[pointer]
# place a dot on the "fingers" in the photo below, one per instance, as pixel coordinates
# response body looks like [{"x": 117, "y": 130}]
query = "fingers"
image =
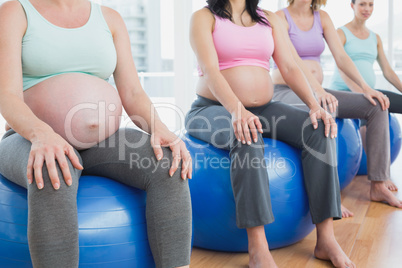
[
  {"x": 386, "y": 101},
  {"x": 324, "y": 104},
  {"x": 187, "y": 165},
  {"x": 37, "y": 168},
  {"x": 75, "y": 161},
  {"x": 52, "y": 170},
  {"x": 253, "y": 130},
  {"x": 313, "y": 117},
  {"x": 158, "y": 151},
  {"x": 331, "y": 128},
  {"x": 332, "y": 103},
  {"x": 31, "y": 160},
  {"x": 240, "y": 132},
  {"x": 176, "y": 159},
  {"x": 381, "y": 99},
  {"x": 258, "y": 124},
  {"x": 327, "y": 125},
  {"x": 246, "y": 131},
  {"x": 65, "y": 170},
  {"x": 371, "y": 100},
  {"x": 334, "y": 127}
]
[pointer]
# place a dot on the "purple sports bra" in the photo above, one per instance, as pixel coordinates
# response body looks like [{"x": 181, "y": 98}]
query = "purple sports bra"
[{"x": 309, "y": 44}]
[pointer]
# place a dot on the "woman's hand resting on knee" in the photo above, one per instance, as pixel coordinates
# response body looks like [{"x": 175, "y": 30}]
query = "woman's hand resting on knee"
[
  {"x": 165, "y": 138},
  {"x": 47, "y": 147},
  {"x": 329, "y": 122},
  {"x": 244, "y": 122}
]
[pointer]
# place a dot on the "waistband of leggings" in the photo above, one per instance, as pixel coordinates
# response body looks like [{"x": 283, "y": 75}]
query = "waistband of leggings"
[
  {"x": 202, "y": 101},
  {"x": 278, "y": 87}
]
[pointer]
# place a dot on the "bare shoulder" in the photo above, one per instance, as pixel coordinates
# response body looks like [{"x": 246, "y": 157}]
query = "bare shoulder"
[
  {"x": 378, "y": 38},
  {"x": 11, "y": 9},
  {"x": 324, "y": 15},
  {"x": 280, "y": 14},
  {"x": 203, "y": 15},
  {"x": 340, "y": 32},
  {"x": 12, "y": 14},
  {"x": 113, "y": 18},
  {"x": 272, "y": 18}
]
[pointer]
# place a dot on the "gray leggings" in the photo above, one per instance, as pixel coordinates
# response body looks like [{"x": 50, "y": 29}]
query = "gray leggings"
[
  {"x": 209, "y": 121},
  {"x": 355, "y": 105},
  {"x": 52, "y": 215}
]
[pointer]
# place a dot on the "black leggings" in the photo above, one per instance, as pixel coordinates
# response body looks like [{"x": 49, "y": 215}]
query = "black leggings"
[{"x": 395, "y": 100}]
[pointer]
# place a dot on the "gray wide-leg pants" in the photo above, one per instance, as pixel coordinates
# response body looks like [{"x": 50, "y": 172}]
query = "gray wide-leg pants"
[
  {"x": 209, "y": 121},
  {"x": 355, "y": 105}
]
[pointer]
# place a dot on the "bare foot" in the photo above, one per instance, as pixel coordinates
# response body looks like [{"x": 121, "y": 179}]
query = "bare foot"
[
  {"x": 330, "y": 250},
  {"x": 380, "y": 193},
  {"x": 261, "y": 258},
  {"x": 390, "y": 185},
  {"x": 346, "y": 213}
]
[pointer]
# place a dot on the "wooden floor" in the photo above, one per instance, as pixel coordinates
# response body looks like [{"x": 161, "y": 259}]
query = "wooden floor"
[{"x": 372, "y": 238}]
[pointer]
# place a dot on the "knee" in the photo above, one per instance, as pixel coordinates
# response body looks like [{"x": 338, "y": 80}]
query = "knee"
[
  {"x": 49, "y": 181},
  {"x": 160, "y": 175},
  {"x": 376, "y": 110}
]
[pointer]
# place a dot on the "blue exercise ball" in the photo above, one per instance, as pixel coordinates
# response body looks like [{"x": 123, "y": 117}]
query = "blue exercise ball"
[
  {"x": 395, "y": 136},
  {"x": 112, "y": 225},
  {"x": 214, "y": 214},
  {"x": 349, "y": 150}
]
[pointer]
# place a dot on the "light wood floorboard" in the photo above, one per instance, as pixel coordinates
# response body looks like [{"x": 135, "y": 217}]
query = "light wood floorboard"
[{"x": 372, "y": 238}]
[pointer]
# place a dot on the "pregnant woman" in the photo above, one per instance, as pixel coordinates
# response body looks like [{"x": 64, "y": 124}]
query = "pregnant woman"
[
  {"x": 308, "y": 27},
  {"x": 64, "y": 119},
  {"x": 365, "y": 47},
  {"x": 233, "y": 41}
]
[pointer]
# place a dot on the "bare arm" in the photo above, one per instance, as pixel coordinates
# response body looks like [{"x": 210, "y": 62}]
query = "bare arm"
[
  {"x": 47, "y": 146},
  {"x": 389, "y": 74},
  {"x": 325, "y": 99},
  {"x": 137, "y": 103},
  {"x": 345, "y": 63},
  {"x": 203, "y": 46},
  {"x": 351, "y": 85},
  {"x": 201, "y": 41},
  {"x": 294, "y": 77}
]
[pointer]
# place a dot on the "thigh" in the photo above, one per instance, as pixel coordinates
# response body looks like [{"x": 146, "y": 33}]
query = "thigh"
[
  {"x": 127, "y": 157},
  {"x": 285, "y": 94},
  {"x": 212, "y": 124},
  {"x": 14, "y": 154},
  {"x": 286, "y": 123},
  {"x": 351, "y": 104},
  {"x": 395, "y": 100}
]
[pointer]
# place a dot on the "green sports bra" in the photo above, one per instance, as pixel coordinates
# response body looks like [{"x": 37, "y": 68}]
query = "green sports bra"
[{"x": 49, "y": 50}]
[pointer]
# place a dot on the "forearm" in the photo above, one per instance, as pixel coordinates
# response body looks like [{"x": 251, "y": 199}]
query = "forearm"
[
  {"x": 347, "y": 66},
  {"x": 394, "y": 80},
  {"x": 142, "y": 112},
  {"x": 351, "y": 85},
  {"x": 315, "y": 85},
  {"x": 298, "y": 83},
  {"x": 222, "y": 91},
  {"x": 21, "y": 118}
]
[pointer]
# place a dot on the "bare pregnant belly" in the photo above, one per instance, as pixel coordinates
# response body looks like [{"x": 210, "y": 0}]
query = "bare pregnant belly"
[{"x": 82, "y": 108}]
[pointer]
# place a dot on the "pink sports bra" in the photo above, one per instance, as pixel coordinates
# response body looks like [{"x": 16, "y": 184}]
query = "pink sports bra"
[{"x": 239, "y": 46}]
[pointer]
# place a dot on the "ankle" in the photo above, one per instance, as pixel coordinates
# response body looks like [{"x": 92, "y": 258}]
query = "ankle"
[
  {"x": 325, "y": 231},
  {"x": 377, "y": 183}
]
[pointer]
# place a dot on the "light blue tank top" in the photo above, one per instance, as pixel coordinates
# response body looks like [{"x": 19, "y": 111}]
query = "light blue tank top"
[
  {"x": 49, "y": 50},
  {"x": 363, "y": 53}
]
